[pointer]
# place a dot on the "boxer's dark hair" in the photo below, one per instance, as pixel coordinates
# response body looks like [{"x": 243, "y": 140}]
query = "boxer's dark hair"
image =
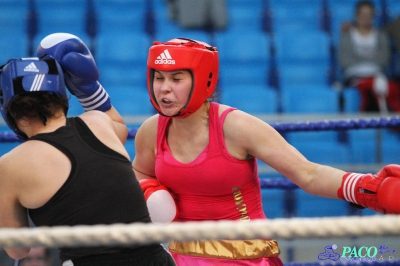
[{"x": 36, "y": 106}]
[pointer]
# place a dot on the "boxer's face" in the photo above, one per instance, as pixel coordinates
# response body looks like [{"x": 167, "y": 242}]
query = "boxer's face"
[{"x": 171, "y": 89}]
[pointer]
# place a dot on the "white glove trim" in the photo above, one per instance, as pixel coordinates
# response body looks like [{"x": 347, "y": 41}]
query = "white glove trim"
[{"x": 54, "y": 39}]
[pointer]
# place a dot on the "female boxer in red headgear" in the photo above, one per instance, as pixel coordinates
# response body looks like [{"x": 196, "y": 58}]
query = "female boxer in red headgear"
[{"x": 204, "y": 154}]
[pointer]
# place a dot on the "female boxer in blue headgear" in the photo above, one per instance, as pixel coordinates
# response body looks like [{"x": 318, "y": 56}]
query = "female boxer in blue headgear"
[{"x": 68, "y": 171}]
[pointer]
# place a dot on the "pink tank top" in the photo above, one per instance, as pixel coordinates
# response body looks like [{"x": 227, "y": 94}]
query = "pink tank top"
[{"x": 215, "y": 185}]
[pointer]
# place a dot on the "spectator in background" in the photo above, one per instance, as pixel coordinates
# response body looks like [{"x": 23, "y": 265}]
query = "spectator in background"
[
  {"x": 199, "y": 14},
  {"x": 364, "y": 56},
  {"x": 38, "y": 256}
]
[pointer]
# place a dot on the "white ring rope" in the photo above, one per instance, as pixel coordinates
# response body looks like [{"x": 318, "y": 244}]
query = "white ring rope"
[{"x": 139, "y": 233}]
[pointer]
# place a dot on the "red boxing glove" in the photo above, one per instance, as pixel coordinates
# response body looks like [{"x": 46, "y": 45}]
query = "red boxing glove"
[
  {"x": 377, "y": 192},
  {"x": 160, "y": 203}
]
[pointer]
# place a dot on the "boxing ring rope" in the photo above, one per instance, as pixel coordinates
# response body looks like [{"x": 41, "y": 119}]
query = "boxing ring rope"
[
  {"x": 293, "y": 228},
  {"x": 343, "y": 124},
  {"x": 140, "y": 233},
  {"x": 346, "y": 124}
]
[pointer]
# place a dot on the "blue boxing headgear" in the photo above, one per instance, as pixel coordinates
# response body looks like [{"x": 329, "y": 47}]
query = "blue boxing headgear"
[{"x": 26, "y": 75}]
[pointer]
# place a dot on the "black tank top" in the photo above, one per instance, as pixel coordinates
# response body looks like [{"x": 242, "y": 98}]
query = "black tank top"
[{"x": 101, "y": 188}]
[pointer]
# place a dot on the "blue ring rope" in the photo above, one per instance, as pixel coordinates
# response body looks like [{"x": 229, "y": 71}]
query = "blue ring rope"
[
  {"x": 365, "y": 123},
  {"x": 281, "y": 183}
]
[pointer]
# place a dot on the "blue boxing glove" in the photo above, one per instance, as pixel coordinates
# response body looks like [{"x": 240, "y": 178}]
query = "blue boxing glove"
[{"x": 81, "y": 73}]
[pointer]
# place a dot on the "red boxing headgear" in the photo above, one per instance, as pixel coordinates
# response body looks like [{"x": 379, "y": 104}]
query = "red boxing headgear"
[{"x": 198, "y": 57}]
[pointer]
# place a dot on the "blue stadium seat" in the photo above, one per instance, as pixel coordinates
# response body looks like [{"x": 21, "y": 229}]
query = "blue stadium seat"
[
  {"x": 310, "y": 99},
  {"x": 313, "y": 206},
  {"x": 123, "y": 74},
  {"x": 390, "y": 146},
  {"x": 61, "y": 16},
  {"x": 243, "y": 46},
  {"x": 251, "y": 99},
  {"x": 122, "y": 59},
  {"x": 160, "y": 4},
  {"x": 324, "y": 152},
  {"x": 363, "y": 146},
  {"x": 13, "y": 46},
  {"x": 240, "y": 3},
  {"x": 121, "y": 16},
  {"x": 320, "y": 146},
  {"x": 13, "y": 16},
  {"x": 312, "y": 136},
  {"x": 131, "y": 100},
  {"x": 245, "y": 17},
  {"x": 308, "y": 49},
  {"x": 313, "y": 4},
  {"x": 304, "y": 46},
  {"x": 272, "y": 200},
  {"x": 303, "y": 74},
  {"x": 243, "y": 57},
  {"x": 245, "y": 73},
  {"x": 296, "y": 15},
  {"x": 394, "y": 8},
  {"x": 283, "y": 20},
  {"x": 13, "y": 37}
]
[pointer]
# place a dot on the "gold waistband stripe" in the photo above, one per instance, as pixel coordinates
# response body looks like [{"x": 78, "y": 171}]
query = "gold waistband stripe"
[{"x": 227, "y": 249}]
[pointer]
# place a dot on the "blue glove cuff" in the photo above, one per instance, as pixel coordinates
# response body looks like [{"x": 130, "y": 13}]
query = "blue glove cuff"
[{"x": 100, "y": 100}]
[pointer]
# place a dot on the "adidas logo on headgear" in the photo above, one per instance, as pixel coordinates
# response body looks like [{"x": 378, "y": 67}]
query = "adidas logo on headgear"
[
  {"x": 31, "y": 68},
  {"x": 164, "y": 58}
]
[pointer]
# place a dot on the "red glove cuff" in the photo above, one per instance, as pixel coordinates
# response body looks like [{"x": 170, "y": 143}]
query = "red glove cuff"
[
  {"x": 349, "y": 187},
  {"x": 148, "y": 183}
]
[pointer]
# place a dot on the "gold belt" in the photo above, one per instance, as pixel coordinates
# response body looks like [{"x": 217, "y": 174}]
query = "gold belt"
[{"x": 227, "y": 249}]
